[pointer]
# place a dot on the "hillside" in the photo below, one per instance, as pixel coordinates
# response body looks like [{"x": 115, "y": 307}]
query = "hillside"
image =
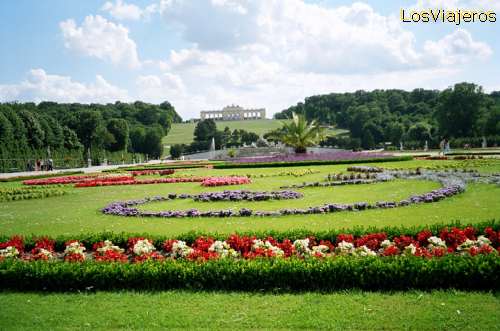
[{"x": 182, "y": 133}]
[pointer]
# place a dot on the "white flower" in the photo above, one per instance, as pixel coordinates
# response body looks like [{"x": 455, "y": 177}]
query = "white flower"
[
  {"x": 386, "y": 243},
  {"x": 223, "y": 249},
  {"x": 466, "y": 245},
  {"x": 345, "y": 248},
  {"x": 74, "y": 248},
  {"x": 482, "y": 240},
  {"x": 410, "y": 250},
  {"x": 143, "y": 247},
  {"x": 9, "y": 251},
  {"x": 108, "y": 246},
  {"x": 364, "y": 251},
  {"x": 302, "y": 247},
  {"x": 320, "y": 250},
  {"x": 436, "y": 242},
  {"x": 180, "y": 249},
  {"x": 267, "y": 245},
  {"x": 46, "y": 253}
]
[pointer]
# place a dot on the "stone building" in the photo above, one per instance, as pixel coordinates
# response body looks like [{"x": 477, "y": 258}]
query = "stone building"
[{"x": 233, "y": 113}]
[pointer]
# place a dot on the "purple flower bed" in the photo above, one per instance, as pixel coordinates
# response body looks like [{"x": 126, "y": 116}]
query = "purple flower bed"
[
  {"x": 126, "y": 208},
  {"x": 332, "y": 156}
]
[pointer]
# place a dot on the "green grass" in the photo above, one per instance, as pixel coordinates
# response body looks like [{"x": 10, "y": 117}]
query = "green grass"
[
  {"x": 441, "y": 310},
  {"x": 78, "y": 211},
  {"x": 182, "y": 133}
]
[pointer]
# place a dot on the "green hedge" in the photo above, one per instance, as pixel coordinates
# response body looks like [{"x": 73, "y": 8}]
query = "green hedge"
[
  {"x": 480, "y": 272},
  {"x": 120, "y": 239},
  {"x": 235, "y": 165},
  {"x": 19, "y": 178}
]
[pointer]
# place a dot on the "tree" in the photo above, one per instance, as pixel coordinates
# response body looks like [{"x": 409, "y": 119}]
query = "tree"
[
  {"x": 301, "y": 134},
  {"x": 459, "y": 109},
  {"x": 137, "y": 139},
  {"x": 249, "y": 137},
  {"x": 420, "y": 132},
  {"x": 367, "y": 141},
  {"x": 177, "y": 150},
  {"x": 152, "y": 143},
  {"x": 120, "y": 131},
  {"x": 205, "y": 130},
  {"x": 87, "y": 126}
]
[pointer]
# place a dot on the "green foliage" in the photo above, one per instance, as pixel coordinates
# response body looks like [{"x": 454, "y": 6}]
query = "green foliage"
[
  {"x": 27, "y": 131},
  {"x": 32, "y": 192},
  {"x": 300, "y": 134},
  {"x": 308, "y": 163},
  {"x": 368, "y": 273},
  {"x": 176, "y": 151},
  {"x": 397, "y": 115}
]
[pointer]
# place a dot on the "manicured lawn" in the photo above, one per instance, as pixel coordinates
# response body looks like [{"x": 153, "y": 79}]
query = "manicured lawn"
[
  {"x": 448, "y": 310},
  {"x": 79, "y": 211}
]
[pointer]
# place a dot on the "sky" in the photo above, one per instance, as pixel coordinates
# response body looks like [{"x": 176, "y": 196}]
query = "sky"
[{"x": 206, "y": 54}]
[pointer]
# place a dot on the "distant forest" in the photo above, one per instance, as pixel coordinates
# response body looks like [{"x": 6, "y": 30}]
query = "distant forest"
[
  {"x": 68, "y": 131},
  {"x": 463, "y": 113}
]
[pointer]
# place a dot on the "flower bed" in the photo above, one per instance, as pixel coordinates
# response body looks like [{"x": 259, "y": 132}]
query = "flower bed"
[
  {"x": 365, "y": 169},
  {"x": 298, "y": 173},
  {"x": 463, "y": 258},
  {"x": 297, "y": 163},
  {"x": 222, "y": 181},
  {"x": 146, "y": 172},
  {"x": 456, "y": 241},
  {"x": 58, "y": 180},
  {"x": 332, "y": 156},
  {"x": 28, "y": 193}
]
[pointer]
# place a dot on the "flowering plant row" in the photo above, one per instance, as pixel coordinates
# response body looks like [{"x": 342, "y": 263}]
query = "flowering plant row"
[
  {"x": 351, "y": 176},
  {"x": 58, "y": 180},
  {"x": 126, "y": 208},
  {"x": 27, "y": 193},
  {"x": 298, "y": 173},
  {"x": 365, "y": 169},
  {"x": 457, "y": 241},
  {"x": 146, "y": 172},
  {"x": 222, "y": 181}
]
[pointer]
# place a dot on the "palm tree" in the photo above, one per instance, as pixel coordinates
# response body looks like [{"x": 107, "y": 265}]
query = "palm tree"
[{"x": 299, "y": 133}]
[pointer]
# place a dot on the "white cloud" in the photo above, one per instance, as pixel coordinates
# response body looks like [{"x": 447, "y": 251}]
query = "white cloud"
[
  {"x": 40, "y": 86},
  {"x": 100, "y": 38},
  {"x": 273, "y": 53},
  {"x": 124, "y": 11},
  {"x": 456, "y": 48}
]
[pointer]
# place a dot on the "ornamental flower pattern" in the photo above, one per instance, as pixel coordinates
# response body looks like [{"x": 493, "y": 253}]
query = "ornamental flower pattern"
[{"x": 458, "y": 241}]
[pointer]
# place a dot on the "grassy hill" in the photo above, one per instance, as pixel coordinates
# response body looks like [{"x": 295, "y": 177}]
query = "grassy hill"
[{"x": 182, "y": 133}]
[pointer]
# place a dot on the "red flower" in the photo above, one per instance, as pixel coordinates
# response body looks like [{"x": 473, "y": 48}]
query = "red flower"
[
  {"x": 391, "y": 251},
  {"x": 423, "y": 236},
  {"x": 349, "y": 238},
  {"x": 372, "y": 241},
  {"x": 14, "y": 241}
]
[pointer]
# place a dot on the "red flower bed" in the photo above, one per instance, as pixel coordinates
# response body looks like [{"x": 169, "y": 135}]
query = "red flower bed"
[
  {"x": 221, "y": 181},
  {"x": 133, "y": 181},
  {"x": 449, "y": 241},
  {"x": 58, "y": 180}
]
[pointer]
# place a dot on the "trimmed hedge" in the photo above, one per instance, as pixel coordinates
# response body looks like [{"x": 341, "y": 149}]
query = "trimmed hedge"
[
  {"x": 480, "y": 272},
  {"x": 235, "y": 165},
  {"x": 20, "y": 178},
  {"x": 121, "y": 239}
]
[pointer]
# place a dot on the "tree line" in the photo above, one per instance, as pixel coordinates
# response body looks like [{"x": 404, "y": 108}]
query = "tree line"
[
  {"x": 463, "y": 112},
  {"x": 70, "y": 130}
]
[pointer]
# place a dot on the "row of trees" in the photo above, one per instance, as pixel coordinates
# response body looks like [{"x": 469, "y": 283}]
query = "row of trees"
[
  {"x": 30, "y": 131},
  {"x": 206, "y": 130},
  {"x": 396, "y": 115}
]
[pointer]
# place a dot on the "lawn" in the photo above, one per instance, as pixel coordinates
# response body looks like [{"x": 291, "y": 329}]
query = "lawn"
[
  {"x": 182, "y": 133},
  {"x": 78, "y": 212},
  {"x": 439, "y": 310}
]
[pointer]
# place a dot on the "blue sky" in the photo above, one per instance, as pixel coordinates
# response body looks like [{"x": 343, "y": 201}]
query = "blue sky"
[{"x": 204, "y": 54}]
